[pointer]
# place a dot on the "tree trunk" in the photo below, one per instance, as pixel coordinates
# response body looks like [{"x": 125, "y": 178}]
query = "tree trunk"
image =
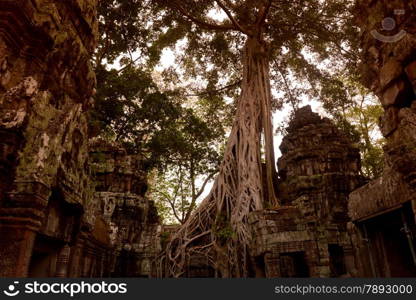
[{"x": 218, "y": 228}]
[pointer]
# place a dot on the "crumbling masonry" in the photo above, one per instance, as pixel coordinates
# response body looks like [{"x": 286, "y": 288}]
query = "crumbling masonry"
[
  {"x": 52, "y": 222},
  {"x": 120, "y": 191},
  {"x": 46, "y": 85},
  {"x": 307, "y": 236},
  {"x": 71, "y": 206},
  {"x": 383, "y": 211}
]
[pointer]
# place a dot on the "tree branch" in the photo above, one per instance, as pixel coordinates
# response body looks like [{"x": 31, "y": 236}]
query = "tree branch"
[
  {"x": 285, "y": 81},
  {"x": 171, "y": 203},
  {"x": 230, "y": 4},
  {"x": 201, "y": 190},
  {"x": 264, "y": 12},
  {"x": 131, "y": 63},
  {"x": 201, "y": 23},
  {"x": 215, "y": 91},
  {"x": 230, "y": 16}
]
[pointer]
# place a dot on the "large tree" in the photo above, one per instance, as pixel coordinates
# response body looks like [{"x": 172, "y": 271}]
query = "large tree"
[{"x": 291, "y": 37}]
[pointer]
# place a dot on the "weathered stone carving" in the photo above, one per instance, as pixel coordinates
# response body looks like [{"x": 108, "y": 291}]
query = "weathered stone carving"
[
  {"x": 46, "y": 85},
  {"x": 51, "y": 221},
  {"x": 121, "y": 185},
  {"x": 308, "y": 236}
]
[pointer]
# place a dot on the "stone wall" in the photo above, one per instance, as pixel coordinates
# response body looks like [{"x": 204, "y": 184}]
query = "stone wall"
[
  {"x": 65, "y": 211},
  {"x": 383, "y": 211},
  {"x": 389, "y": 70},
  {"x": 46, "y": 85},
  {"x": 121, "y": 186}
]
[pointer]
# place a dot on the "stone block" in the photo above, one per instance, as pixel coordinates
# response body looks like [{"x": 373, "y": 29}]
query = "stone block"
[
  {"x": 394, "y": 94},
  {"x": 389, "y": 72},
  {"x": 411, "y": 71},
  {"x": 380, "y": 194},
  {"x": 389, "y": 121}
]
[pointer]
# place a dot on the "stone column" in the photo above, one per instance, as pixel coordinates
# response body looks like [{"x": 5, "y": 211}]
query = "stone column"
[
  {"x": 414, "y": 209},
  {"x": 19, "y": 223},
  {"x": 15, "y": 250},
  {"x": 272, "y": 263},
  {"x": 389, "y": 70},
  {"x": 322, "y": 269},
  {"x": 46, "y": 85},
  {"x": 77, "y": 256},
  {"x": 350, "y": 263},
  {"x": 62, "y": 262}
]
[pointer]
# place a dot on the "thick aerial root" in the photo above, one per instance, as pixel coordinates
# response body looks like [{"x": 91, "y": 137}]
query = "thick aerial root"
[{"x": 218, "y": 229}]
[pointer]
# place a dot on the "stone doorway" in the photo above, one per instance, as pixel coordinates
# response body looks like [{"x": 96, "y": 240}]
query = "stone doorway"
[
  {"x": 293, "y": 265},
  {"x": 259, "y": 267},
  {"x": 44, "y": 257},
  {"x": 391, "y": 239},
  {"x": 336, "y": 260}
]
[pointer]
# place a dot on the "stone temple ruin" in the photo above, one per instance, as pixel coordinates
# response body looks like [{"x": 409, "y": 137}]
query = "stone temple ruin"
[
  {"x": 134, "y": 227},
  {"x": 75, "y": 207},
  {"x": 383, "y": 211},
  {"x": 308, "y": 235},
  {"x": 67, "y": 208}
]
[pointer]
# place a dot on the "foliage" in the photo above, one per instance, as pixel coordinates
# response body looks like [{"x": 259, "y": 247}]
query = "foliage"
[
  {"x": 124, "y": 28},
  {"x": 358, "y": 116},
  {"x": 183, "y": 182},
  {"x": 309, "y": 43},
  {"x": 365, "y": 120},
  {"x": 172, "y": 130},
  {"x": 177, "y": 191},
  {"x": 223, "y": 229}
]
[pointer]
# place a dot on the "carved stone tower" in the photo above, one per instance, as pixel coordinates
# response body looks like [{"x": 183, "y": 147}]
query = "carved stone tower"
[{"x": 308, "y": 236}]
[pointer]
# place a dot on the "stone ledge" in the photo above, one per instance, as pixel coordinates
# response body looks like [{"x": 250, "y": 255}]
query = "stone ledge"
[{"x": 379, "y": 195}]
